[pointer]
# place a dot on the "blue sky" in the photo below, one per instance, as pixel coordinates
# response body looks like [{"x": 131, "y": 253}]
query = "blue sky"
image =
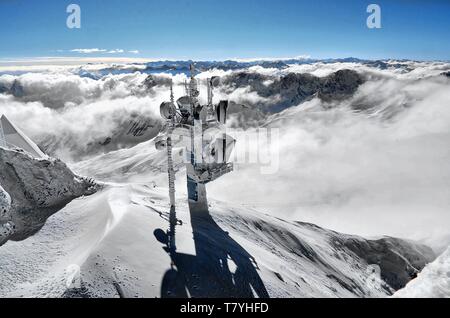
[{"x": 212, "y": 29}]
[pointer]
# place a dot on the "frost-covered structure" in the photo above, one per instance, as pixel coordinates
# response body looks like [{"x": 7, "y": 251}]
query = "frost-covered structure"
[
  {"x": 207, "y": 146},
  {"x": 32, "y": 189}
]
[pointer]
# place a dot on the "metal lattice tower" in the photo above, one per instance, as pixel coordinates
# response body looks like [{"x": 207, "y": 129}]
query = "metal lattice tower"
[{"x": 188, "y": 119}]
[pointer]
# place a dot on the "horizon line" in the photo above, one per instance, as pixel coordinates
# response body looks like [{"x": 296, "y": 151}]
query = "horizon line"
[{"x": 39, "y": 60}]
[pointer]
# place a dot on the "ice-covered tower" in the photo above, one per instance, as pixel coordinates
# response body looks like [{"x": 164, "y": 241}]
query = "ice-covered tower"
[{"x": 208, "y": 148}]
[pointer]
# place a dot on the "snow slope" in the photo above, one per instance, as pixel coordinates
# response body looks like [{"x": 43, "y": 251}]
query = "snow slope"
[
  {"x": 432, "y": 282},
  {"x": 114, "y": 237}
]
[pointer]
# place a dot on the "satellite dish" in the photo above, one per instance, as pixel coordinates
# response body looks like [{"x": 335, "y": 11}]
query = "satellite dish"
[
  {"x": 167, "y": 109},
  {"x": 215, "y": 81},
  {"x": 184, "y": 102}
]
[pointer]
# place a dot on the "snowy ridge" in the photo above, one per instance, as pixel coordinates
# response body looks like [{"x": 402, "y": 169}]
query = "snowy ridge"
[
  {"x": 114, "y": 236},
  {"x": 432, "y": 282}
]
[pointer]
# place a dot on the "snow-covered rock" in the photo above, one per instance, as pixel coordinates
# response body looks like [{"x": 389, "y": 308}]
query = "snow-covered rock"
[
  {"x": 32, "y": 190},
  {"x": 6, "y": 227},
  {"x": 5, "y": 205},
  {"x": 432, "y": 282}
]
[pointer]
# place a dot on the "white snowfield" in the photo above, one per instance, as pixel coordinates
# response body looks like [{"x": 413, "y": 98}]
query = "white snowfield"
[
  {"x": 109, "y": 245},
  {"x": 432, "y": 282}
]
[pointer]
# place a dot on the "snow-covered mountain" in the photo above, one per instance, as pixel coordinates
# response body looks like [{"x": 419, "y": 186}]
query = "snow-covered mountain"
[
  {"x": 113, "y": 244},
  {"x": 362, "y": 150},
  {"x": 116, "y": 239}
]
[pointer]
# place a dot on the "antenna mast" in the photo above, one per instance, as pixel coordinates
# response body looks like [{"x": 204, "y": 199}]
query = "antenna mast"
[
  {"x": 170, "y": 168},
  {"x": 207, "y": 155}
]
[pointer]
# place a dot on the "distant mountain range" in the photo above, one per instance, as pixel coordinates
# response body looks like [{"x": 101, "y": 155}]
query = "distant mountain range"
[{"x": 182, "y": 67}]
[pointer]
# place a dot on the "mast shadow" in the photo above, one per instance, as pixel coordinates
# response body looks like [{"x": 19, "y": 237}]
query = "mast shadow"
[{"x": 221, "y": 267}]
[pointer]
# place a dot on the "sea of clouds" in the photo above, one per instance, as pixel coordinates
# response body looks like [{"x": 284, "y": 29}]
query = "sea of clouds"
[{"x": 382, "y": 171}]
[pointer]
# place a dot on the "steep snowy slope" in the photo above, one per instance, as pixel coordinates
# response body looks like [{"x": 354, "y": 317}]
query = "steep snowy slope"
[
  {"x": 117, "y": 239},
  {"x": 32, "y": 190},
  {"x": 432, "y": 282},
  {"x": 141, "y": 161}
]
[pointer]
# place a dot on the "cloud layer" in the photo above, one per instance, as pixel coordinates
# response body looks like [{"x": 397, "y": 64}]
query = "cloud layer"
[
  {"x": 97, "y": 50},
  {"x": 385, "y": 170}
]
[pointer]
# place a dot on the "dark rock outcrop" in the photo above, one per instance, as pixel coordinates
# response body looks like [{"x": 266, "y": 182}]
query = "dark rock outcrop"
[
  {"x": 293, "y": 88},
  {"x": 399, "y": 260},
  {"x": 340, "y": 85},
  {"x": 17, "y": 89},
  {"x": 151, "y": 81}
]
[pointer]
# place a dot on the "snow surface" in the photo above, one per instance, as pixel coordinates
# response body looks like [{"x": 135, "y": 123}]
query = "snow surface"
[
  {"x": 111, "y": 244},
  {"x": 299, "y": 259},
  {"x": 432, "y": 282},
  {"x": 106, "y": 245}
]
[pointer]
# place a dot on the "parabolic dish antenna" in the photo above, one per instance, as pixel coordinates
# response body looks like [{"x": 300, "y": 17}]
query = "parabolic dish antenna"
[
  {"x": 160, "y": 142},
  {"x": 184, "y": 102},
  {"x": 215, "y": 81},
  {"x": 166, "y": 110}
]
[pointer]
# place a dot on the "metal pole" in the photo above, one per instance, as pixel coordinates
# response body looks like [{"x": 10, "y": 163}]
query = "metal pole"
[
  {"x": 171, "y": 173},
  {"x": 170, "y": 168}
]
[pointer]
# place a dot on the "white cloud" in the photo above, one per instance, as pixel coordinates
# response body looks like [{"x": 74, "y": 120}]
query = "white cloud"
[
  {"x": 381, "y": 172},
  {"x": 57, "y": 64},
  {"x": 115, "y": 51},
  {"x": 89, "y": 51},
  {"x": 270, "y": 59},
  {"x": 71, "y": 112},
  {"x": 97, "y": 50}
]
